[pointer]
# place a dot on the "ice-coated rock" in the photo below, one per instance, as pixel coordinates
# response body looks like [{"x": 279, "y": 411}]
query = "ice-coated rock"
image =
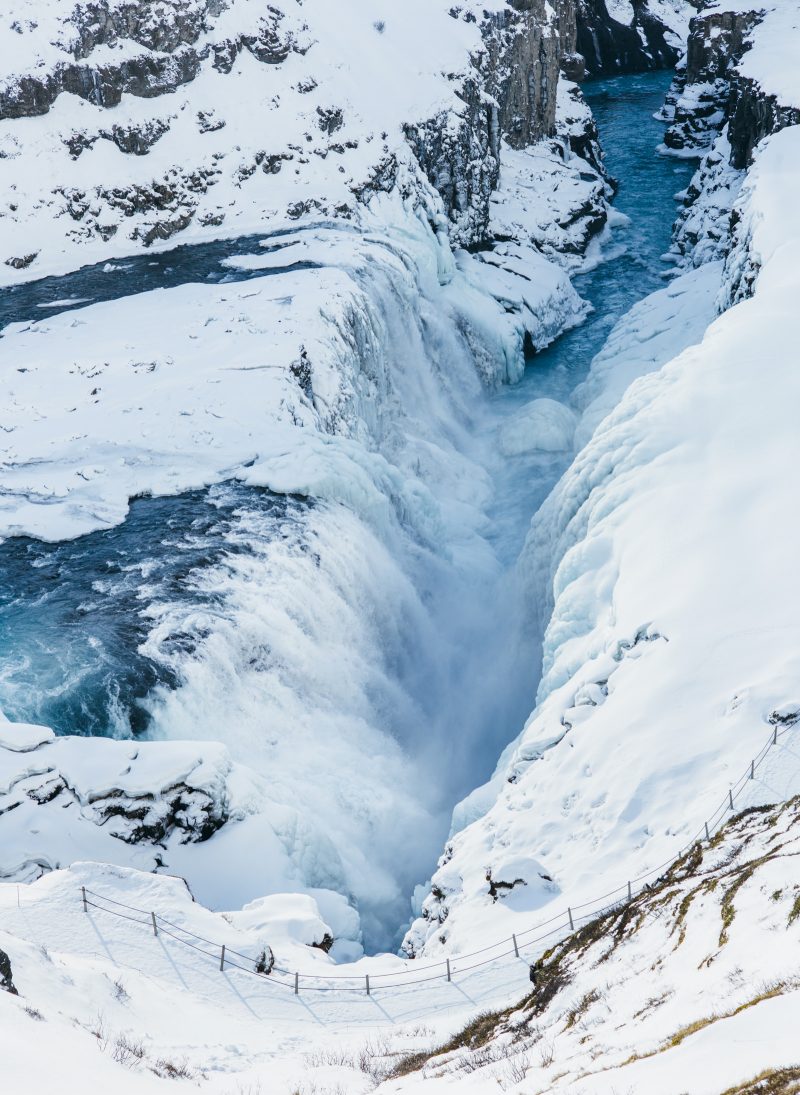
[
  {"x": 543, "y": 424},
  {"x": 617, "y": 36}
]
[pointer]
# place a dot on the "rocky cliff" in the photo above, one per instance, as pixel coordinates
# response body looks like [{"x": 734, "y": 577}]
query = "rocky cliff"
[
  {"x": 635, "y": 36},
  {"x": 712, "y": 90},
  {"x": 122, "y": 125},
  {"x": 726, "y": 99}
]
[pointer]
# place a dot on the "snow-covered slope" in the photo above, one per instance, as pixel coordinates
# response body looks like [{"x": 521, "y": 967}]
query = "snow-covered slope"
[
  {"x": 692, "y": 987},
  {"x": 671, "y": 643},
  {"x": 124, "y": 125}
]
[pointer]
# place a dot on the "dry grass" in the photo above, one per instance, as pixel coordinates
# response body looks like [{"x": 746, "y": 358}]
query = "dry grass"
[{"x": 781, "y": 1081}]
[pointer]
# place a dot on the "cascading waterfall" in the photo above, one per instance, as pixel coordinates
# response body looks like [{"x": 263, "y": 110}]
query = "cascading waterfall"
[{"x": 372, "y": 665}]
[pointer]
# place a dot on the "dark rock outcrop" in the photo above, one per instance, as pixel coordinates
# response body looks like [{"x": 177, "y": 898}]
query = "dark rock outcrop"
[
  {"x": 174, "y": 43},
  {"x": 702, "y": 92},
  {"x": 752, "y": 115},
  {"x": 524, "y": 54},
  {"x": 6, "y": 979},
  {"x": 512, "y": 96},
  {"x": 721, "y": 115},
  {"x": 611, "y": 47}
]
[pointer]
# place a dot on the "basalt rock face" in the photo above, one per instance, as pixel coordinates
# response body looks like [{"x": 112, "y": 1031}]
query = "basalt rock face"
[
  {"x": 526, "y": 47},
  {"x": 753, "y": 115},
  {"x": 177, "y": 74},
  {"x": 717, "y": 41},
  {"x": 611, "y": 47},
  {"x": 173, "y": 41},
  {"x": 721, "y": 114},
  {"x": 512, "y": 96}
]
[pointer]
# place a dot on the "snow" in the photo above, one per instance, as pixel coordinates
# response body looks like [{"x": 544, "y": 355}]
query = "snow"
[
  {"x": 666, "y": 554},
  {"x": 72, "y": 798},
  {"x": 92, "y": 978},
  {"x": 542, "y": 424},
  {"x": 647, "y": 337},
  {"x": 771, "y": 60},
  {"x": 691, "y": 989},
  {"x": 235, "y": 1027},
  {"x": 180, "y": 388},
  {"x": 675, "y": 15},
  {"x": 211, "y": 157},
  {"x": 352, "y": 383},
  {"x": 664, "y": 560},
  {"x": 621, "y": 10},
  {"x": 548, "y": 196},
  {"x": 21, "y": 737}
]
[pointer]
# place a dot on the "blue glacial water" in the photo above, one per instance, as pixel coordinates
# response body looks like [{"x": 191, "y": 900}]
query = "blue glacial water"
[
  {"x": 194, "y": 619},
  {"x": 633, "y": 267}
]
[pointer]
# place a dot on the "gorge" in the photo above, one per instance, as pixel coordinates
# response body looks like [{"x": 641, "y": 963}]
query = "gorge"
[{"x": 388, "y": 500}]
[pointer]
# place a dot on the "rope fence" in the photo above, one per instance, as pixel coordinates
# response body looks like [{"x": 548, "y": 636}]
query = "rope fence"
[{"x": 565, "y": 922}]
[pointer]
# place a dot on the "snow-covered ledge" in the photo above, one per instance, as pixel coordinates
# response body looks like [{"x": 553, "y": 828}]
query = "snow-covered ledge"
[{"x": 175, "y": 808}]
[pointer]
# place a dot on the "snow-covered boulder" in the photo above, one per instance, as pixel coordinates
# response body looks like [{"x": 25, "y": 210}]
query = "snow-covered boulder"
[
  {"x": 543, "y": 424},
  {"x": 176, "y": 807}
]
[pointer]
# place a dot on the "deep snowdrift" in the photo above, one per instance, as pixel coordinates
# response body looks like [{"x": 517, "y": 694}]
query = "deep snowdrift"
[{"x": 667, "y": 554}]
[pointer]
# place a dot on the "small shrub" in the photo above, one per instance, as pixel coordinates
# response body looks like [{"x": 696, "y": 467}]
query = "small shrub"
[
  {"x": 547, "y": 1054},
  {"x": 126, "y": 1051},
  {"x": 33, "y": 1012},
  {"x": 120, "y": 992},
  {"x": 174, "y": 1070},
  {"x": 518, "y": 1067}
]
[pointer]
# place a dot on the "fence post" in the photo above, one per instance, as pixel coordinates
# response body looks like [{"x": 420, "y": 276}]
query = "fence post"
[
  {"x": 516, "y": 948},
  {"x": 222, "y": 959},
  {"x": 155, "y": 926},
  {"x": 297, "y": 984},
  {"x": 775, "y": 736},
  {"x": 630, "y": 892},
  {"x": 367, "y": 979},
  {"x": 730, "y": 796},
  {"x": 708, "y": 835},
  {"x": 449, "y": 978},
  {"x": 752, "y": 769},
  {"x": 83, "y": 892},
  {"x": 571, "y": 921}
]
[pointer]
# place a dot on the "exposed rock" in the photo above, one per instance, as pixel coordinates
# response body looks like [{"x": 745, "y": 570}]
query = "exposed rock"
[
  {"x": 173, "y": 41},
  {"x": 20, "y": 262},
  {"x": 717, "y": 41},
  {"x": 703, "y": 229},
  {"x": 265, "y": 961},
  {"x": 6, "y": 979},
  {"x": 525, "y": 48},
  {"x": 612, "y": 47},
  {"x": 720, "y": 109},
  {"x": 122, "y": 791},
  {"x": 753, "y": 116}
]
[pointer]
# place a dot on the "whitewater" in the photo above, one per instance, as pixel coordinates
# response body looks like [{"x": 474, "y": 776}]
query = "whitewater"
[{"x": 358, "y": 611}]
